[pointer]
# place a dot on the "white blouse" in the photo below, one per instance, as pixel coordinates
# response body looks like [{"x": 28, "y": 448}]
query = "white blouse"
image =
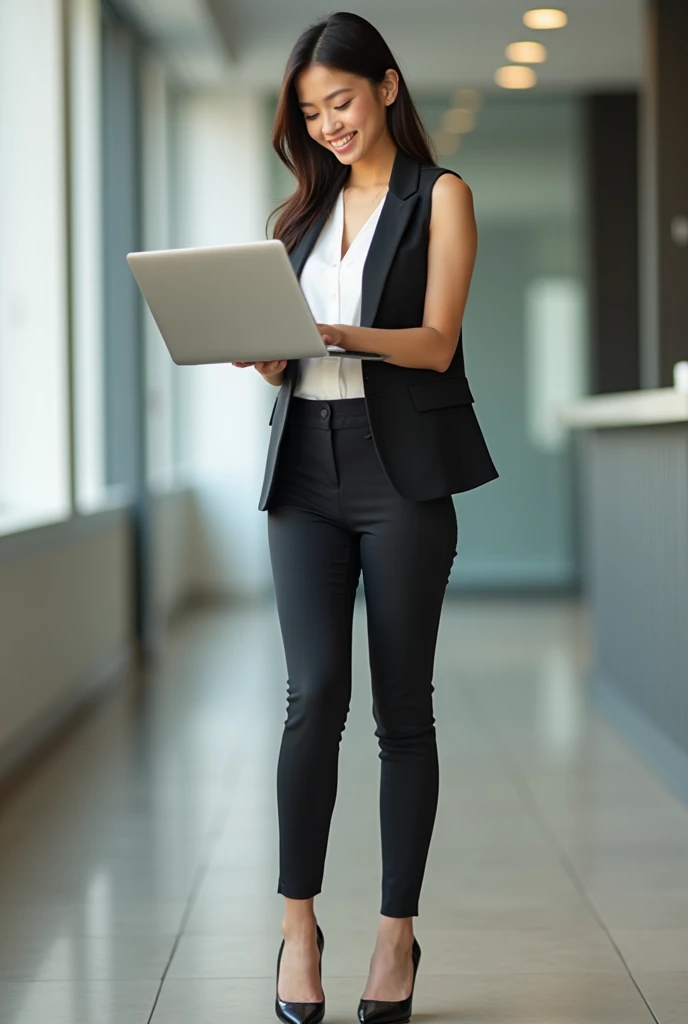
[{"x": 332, "y": 287}]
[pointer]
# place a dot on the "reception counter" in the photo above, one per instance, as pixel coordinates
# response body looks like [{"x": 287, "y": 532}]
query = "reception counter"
[{"x": 633, "y": 451}]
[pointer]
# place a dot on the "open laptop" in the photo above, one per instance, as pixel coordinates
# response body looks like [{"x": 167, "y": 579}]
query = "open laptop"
[{"x": 230, "y": 304}]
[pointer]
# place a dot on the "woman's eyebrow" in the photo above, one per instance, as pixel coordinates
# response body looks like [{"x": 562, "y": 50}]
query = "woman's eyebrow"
[{"x": 330, "y": 96}]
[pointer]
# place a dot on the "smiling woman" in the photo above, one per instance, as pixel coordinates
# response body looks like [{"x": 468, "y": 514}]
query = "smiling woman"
[
  {"x": 342, "y": 112},
  {"x": 363, "y": 460}
]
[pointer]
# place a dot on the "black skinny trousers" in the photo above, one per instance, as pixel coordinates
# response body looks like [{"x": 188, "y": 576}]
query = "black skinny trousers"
[{"x": 333, "y": 515}]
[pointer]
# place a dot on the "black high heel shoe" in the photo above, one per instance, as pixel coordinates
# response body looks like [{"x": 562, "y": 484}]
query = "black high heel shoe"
[
  {"x": 300, "y": 1013},
  {"x": 380, "y": 1011}
]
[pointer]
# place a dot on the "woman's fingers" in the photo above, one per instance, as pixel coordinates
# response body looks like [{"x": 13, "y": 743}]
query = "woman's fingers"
[
  {"x": 331, "y": 334},
  {"x": 268, "y": 368},
  {"x": 271, "y": 367}
]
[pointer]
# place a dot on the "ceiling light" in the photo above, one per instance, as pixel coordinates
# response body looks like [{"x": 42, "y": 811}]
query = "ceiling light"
[
  {"x": 545, "y": 17},
  {"x": 515, "y": 76},
  {"x": 468, "y": 98},
  {"x": 526, "y": 53},
  {"x": 446, "y": 143},
  {"x": 458, "y": 120}
]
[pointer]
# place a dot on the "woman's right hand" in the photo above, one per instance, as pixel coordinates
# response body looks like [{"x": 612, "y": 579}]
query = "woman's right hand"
[{"x": 271, "y": 371}]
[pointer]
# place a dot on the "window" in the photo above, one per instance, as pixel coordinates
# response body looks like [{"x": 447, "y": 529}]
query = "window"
[
  {"x": 34, "y": 435},
  {"x": 162, "y": 375},
  {"x": 87, "y": 262},
  {"x": 555, "y": 356}
]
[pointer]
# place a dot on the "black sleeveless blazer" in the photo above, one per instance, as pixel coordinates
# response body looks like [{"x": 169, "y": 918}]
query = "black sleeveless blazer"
[{"x": 423, "y": 423}]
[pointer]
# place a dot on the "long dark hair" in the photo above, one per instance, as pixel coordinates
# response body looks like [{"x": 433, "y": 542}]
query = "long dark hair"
[{"x": 349, "y": 43}]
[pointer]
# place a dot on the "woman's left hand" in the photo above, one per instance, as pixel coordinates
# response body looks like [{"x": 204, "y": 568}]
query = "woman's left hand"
[{"x": 332, "y": 335}]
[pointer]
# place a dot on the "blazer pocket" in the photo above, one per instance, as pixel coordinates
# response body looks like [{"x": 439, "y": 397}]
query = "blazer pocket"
[{"x": 441, "y": 393}]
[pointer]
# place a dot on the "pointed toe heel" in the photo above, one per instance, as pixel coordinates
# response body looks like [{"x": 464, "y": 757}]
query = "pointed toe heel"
[
  {"x": 380, "y": 1011},
  {"x": 299, "y": 1013}
]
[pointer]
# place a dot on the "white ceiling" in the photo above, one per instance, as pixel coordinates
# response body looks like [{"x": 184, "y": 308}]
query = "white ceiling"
[
  {"x": 438, "y": 43},
  {"x": 186, "y": 34}
]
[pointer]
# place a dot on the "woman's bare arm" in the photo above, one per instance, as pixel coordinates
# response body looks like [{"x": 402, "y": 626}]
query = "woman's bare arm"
[{"x": 451, "y": 256}]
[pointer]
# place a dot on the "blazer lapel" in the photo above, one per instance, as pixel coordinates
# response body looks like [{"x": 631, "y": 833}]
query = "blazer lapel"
[
  {"x": 301, "y": 252},
  {"x": 297, "y": 258},
  {"x": 399, "y": 204},
  {"x": 389, "y": 230}
]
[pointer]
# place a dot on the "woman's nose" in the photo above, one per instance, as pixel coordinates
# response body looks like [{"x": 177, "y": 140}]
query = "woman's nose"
[{"x": 332, "y": 127}]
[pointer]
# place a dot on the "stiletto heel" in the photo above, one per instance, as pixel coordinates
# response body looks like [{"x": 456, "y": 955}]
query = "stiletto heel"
[
  {"x": 380, "y": 1011},
  {"x": 300, "y": 1013}
]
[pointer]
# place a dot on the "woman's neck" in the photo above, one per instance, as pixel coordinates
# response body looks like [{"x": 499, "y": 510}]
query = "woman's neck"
[{"x": 374, "y": 170}]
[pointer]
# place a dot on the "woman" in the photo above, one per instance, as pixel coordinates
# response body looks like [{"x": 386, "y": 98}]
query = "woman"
[{"x": 363, "y": 459}]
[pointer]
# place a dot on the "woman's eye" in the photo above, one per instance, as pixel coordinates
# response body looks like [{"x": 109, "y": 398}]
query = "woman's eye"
[{"x": 312, "y": 117}]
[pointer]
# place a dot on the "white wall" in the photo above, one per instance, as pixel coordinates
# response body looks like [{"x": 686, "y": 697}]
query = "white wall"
[
  {"x": 221, "y": 157},
  {"x": 66, "y": 612},
  {"x": 65, "y": 617}
]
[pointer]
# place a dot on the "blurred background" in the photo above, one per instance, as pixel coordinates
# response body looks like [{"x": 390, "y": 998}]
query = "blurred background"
[{"x": 130, "y": 541}]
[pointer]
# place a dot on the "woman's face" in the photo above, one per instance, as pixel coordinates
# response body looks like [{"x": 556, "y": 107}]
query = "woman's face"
[{"x": 344, "y": 113}]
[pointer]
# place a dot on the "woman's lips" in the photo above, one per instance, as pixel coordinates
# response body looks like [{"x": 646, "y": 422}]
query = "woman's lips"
[{"x": 341, "y": 147}]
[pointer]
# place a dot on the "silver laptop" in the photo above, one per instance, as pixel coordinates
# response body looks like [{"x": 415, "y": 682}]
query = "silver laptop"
[{"x": 230, "y": 304}]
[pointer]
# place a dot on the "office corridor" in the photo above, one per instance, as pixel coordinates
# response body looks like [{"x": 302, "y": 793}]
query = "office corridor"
[{"x": 138, "y": 863}]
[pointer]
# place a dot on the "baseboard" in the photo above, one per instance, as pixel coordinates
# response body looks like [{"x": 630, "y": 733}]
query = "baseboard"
[
  {"x": 34, "y": 740},
  {"x": 660, "y": 752}
]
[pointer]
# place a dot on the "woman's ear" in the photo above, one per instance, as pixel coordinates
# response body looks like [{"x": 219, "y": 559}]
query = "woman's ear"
[{"x": 390, "y": 87}]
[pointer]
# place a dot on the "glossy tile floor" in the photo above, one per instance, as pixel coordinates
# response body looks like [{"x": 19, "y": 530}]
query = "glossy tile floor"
[{"x": 138, "y": 864}]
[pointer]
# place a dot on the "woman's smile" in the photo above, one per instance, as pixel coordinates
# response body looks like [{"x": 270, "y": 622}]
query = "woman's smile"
[{"x": 343, "y": 142}]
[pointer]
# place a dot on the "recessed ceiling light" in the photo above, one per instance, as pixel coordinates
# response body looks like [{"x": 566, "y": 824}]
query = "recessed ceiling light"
[
  {"x": 515, "y": 76},
  {"x": 545, "y": 17},
  {"x": 458, "y": 120},
  {"x": 526, "y": 53}
]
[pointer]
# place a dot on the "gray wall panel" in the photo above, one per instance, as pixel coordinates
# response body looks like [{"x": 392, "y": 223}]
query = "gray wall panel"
[{"x": 637, "y": 568}]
